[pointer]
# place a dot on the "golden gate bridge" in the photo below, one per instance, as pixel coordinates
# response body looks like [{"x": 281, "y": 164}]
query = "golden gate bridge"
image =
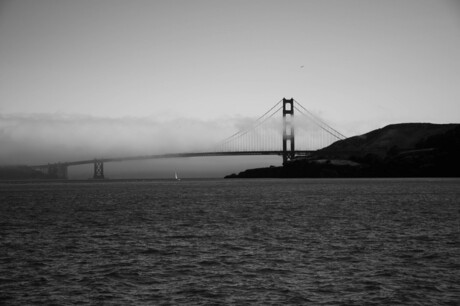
[{"x": 288, "y": 136}]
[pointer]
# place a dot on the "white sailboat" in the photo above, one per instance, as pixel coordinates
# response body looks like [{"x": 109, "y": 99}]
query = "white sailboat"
[{"x": 176, "y": 177}]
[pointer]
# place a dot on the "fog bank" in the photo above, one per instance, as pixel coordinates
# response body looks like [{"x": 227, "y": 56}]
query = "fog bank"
[{"x": 47, "y": 138}]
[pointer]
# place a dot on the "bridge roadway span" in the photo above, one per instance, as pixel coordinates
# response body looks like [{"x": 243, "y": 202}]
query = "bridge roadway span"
[
  {"x": 60, "y": 169},
  {"x": 172, "y": 155}
]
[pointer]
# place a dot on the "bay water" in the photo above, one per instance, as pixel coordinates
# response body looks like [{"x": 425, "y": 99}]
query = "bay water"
[{"x": 237, "y": 242}]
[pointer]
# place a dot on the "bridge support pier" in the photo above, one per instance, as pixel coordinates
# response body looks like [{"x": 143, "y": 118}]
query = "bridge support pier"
[
  {"x": 58, "y": 171},
  {"x": 288, "y": 130},
  {"x": 98, "y": 170}
]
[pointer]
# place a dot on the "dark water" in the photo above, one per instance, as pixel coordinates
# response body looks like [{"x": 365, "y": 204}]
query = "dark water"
[{"x": 314, "y": 242}]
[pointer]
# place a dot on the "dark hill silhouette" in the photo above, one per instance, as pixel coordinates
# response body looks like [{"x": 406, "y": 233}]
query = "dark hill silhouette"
[
  {"x": 397, "y": 150},
  {"x": 19, "y": 173},
  {"x": 403, "y": 136}
]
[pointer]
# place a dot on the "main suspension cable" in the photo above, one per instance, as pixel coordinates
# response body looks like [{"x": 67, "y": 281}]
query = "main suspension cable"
[
  {"x": 321, "y": 121},
  {"x": 319, "y": 125},
  {"x": 254, "y": 125}
]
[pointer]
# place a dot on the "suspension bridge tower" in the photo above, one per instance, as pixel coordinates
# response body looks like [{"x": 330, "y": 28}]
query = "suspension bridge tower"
[{"x": 288, "y": 130}]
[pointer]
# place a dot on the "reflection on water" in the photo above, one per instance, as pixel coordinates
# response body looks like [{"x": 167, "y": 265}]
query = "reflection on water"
[{"x": 320, "y": 242}]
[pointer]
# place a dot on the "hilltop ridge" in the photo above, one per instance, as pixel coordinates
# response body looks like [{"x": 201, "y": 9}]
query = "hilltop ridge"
[{"x": 402, "y": 136}]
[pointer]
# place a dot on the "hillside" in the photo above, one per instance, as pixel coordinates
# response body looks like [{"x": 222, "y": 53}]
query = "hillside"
[
  {"x": 397, "y": 150},
  {"x": 394, "y": 137}
]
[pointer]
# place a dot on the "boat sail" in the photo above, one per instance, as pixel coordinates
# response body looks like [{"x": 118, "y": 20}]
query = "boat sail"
[{"x": 176, "y": 177}]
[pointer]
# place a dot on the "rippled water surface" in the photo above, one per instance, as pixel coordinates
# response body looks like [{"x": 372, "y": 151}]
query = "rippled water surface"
[{"x": 314, "y": 242}]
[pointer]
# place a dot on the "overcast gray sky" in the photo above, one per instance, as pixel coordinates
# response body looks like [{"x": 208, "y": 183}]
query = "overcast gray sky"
[{"x": 80, "y": 78}]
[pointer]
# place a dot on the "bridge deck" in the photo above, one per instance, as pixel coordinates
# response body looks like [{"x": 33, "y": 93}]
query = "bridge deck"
[{"x": 172, "y": 155}]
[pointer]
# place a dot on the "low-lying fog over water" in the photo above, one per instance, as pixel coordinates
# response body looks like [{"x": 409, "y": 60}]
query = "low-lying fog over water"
[{"x": 296, "y": 241}]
